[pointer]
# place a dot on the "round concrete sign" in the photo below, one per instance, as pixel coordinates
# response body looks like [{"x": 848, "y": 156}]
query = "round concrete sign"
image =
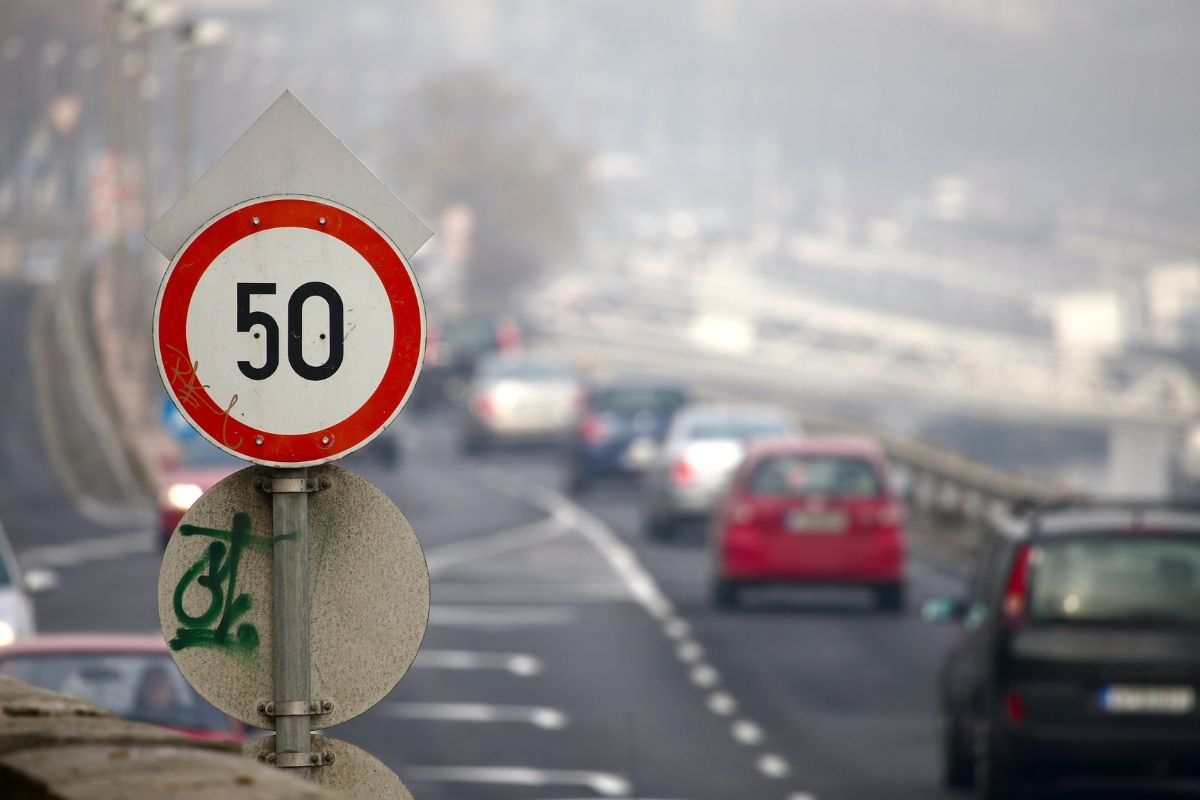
[
  {"x": 370, "y": 595},
  {"x": 346, "y": 769}
]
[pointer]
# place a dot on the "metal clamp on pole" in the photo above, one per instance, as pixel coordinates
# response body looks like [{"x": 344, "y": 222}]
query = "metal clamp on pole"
[
  {"x": 280, "y": 484},
  {"x": 291, "y": 616}
]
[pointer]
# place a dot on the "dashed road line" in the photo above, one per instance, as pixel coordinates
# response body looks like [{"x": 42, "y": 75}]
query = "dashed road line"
[
  {"x": 773, "y": 766},
  {"x": 721, "y": 703},
  {"x": 645, "y": 591},
  {"x": 689, "y": 652},
  {"x": 677, "y": 628},
  {"x": 606, "y": 784},
  {"x": 453, "y": 554},
  {"x": 500, "y": 618},
  {"x": 84, "y": 551},
  {"x": 705, "y": 676},
  {"x": 544, "y": 717},
  {"x": 522, "y": 664}
]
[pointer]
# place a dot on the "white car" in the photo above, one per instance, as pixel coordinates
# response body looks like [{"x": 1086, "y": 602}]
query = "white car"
[
  {"x": 521, "y": 397},
  {"x": 16, "y": 609},
  {"x": 702, "y": 450}
]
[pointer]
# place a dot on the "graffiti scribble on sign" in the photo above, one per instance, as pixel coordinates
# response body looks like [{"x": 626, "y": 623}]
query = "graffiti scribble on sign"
[
  {"x": 185, "y": 380},
  {"x": 217, "y": 572}
]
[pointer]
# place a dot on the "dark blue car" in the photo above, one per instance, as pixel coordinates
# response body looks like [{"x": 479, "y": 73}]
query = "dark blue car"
[{"x": 620, "y": 429}]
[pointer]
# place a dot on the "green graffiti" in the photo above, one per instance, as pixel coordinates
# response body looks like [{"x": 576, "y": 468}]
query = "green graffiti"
[{"x": 216, "y": 572}]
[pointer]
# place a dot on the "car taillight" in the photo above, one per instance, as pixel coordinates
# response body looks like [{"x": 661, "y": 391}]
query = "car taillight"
[
  {"x": 508, "y": 335},
  {"x": 682, "y": 473},
  {"x": 484, "y": 405},
  {"x": 593, "y": 429},
  {"x": 1017, "y": 588},
  {"x": 1014, "y": 704}
]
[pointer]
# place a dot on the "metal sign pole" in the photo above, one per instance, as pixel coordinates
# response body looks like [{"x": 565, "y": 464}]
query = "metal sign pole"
[{"x": 290, "y": 620}]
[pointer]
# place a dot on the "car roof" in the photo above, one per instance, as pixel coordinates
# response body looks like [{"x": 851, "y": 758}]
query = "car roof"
[
  {"x": 1105, "y": 518},
  {"x": 58, "y": 643},
  {"x": 861, "y": 446}
]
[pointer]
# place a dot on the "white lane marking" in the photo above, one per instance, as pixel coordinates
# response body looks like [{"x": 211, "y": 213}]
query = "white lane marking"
[
  {"x": 450, "y": 555},
  {"x": 705, "y": 676},
  {"x": 543, "y": 717},
  {"x": 618, "y": 554},
  {"x": 500, "y": 618},
  {"x": 689, "y": 652},
  {"x": 722, "y": 703},
  {"x": 606, "y": 784},
  {"x": 529, "y": 593},
  {"x": 802, "y": 796},
  {"x": 677, "y": 628},
  {"x": 82, "y": 551},
  {"x": 773, "y": 766},
  {"x": 746, "y": 732},
  {"x": 521, "y": 664},
  {"x": 641, "y": 584}
]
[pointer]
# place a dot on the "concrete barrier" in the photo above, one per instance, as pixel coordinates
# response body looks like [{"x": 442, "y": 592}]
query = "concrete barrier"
[{"x": 53, "y": 747}]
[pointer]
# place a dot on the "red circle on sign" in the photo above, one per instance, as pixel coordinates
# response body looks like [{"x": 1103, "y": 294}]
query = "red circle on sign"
[{"x": 184, "y": 381}]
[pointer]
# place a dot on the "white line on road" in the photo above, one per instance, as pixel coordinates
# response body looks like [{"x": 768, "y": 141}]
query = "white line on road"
[
  {"x": 773, "y": 766},
  {"x": 82, "y": 551},
  {"x": 606, "y": 784},
  {"x": 521, "y": 664},
  {"x": 500, "y": 618},
  {"x": 689, "y": 652},
  {"x": 677, "y": 628},
  {"x": 542, "y": 717},
  {"x": 493, "y": 544},
  {"x": 802, "y": 796},
  {"x": 705, "y": 676},
  {"x": 746, "y": 732},
  {"x": 644, "y": 590},
  {"x": 722, "y": 703}
]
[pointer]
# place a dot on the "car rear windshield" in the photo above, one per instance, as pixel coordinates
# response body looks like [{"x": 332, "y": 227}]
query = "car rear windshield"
[
  {"x": 146, "y": 687},
  {"x": 795, "y": 475},
  {"x": 709, "y": 430},
  {"x": 1134, "y": 579},
  {"x": 636, "y": 401}
]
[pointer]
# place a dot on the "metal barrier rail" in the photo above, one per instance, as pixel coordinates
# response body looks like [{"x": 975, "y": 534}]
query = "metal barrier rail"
[{"x": 934, "y": 479}]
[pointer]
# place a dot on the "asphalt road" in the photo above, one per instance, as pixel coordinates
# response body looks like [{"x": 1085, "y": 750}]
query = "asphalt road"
[{"x": 566, "y": 656}]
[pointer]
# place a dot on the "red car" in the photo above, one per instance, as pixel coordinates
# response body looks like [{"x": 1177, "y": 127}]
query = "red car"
[
  {"x": 198, "y": 467},
  {"x": 810, "y": 511},
  {"x": 132, "y": 675}
]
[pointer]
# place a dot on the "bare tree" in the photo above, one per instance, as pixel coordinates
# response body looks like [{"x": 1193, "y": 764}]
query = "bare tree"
[{"x": 475, "y": 140}]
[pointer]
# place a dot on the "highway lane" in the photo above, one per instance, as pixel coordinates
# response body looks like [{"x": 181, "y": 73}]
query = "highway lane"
[{"x": 568, "y": 658}]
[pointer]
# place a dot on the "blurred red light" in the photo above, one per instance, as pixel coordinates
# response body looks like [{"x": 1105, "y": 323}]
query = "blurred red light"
[{"x": 682, "y": 473}]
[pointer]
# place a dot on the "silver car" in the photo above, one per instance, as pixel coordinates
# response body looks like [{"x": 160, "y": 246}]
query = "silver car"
[
  {"x": 702, "y": 450},
  {"x": 16, "y": 608},
  {"x": 521, "y": 397}
]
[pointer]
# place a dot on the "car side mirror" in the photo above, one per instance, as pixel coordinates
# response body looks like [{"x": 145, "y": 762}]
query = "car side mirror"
[
  {"x": 944, "y": 609},
  {"x": 40, "y": 580}
]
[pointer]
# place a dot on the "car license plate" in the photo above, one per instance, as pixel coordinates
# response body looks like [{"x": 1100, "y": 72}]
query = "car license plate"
[
  {"x": 1148, "y": 699},
  {"x": 816, "y": 522}
]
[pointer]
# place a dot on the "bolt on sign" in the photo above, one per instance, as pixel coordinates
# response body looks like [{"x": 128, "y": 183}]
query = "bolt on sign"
[{"x": 289, "y": 331}]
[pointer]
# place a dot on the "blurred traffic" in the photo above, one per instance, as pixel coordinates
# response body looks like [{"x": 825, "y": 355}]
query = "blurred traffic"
[{"x": 761, "y": 336}]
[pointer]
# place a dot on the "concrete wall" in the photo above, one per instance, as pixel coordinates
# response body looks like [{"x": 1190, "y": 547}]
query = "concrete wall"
[{"x": 53, "y": 747}]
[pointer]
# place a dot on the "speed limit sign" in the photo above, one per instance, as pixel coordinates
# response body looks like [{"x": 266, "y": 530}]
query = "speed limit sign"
[{"x": 289, "y": 330}]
